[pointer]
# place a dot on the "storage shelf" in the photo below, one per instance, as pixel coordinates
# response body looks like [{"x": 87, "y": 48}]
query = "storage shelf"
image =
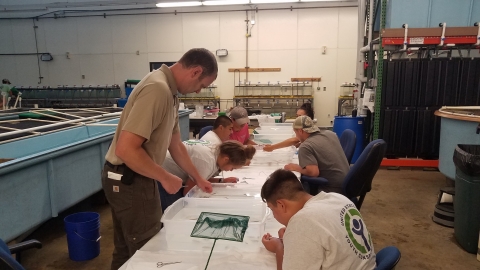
[{"x": 274, "y": 97}]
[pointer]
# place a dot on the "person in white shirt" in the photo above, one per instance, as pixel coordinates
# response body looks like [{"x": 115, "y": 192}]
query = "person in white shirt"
[
  {"x": 208, "y": 159},
  {"x": 325, "y": 231},
  {"x": 222, "y": 128}
]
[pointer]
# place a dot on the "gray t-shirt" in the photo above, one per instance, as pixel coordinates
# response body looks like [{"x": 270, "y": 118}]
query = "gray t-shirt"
[{"x": 323, "y": 149}]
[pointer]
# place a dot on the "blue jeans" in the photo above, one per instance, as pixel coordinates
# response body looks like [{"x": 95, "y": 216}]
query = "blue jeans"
[{"x": 167, "y": 199}]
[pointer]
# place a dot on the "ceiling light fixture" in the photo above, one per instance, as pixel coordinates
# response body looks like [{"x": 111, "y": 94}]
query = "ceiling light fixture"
[
  {"x": 179, "y": 4},
  {"x": 272, "y": 1},
  {"x": 225, "y": 2}
]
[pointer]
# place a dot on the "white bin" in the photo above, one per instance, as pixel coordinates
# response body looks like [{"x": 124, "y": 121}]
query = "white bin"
[
  {"x": 280, "y": 156},
  {"x": 180, "y": 217}
]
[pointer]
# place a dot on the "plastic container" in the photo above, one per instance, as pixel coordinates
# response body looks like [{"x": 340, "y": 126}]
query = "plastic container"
[
  {"x": 180, "y": 217},
  {"x": 467, "y": 196},
  {"x": 83, "y": 235},
  {"x": 276, "y": 124},
  {"x": 271, "y": 138},
  {"x": 128, "y": 91},
  {"x": 280, "y": 156},
  {"x": 274, "y": 130},
  {"x": 224, "y": 191},
  {"x": 357, "y": 125},
  {"x": 121, "y": 102}
]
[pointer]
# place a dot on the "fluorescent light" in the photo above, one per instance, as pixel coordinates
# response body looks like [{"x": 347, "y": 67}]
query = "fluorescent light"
[
  {"x": 320, "y": 0},
  {"x": 272, "y": 1},
  {"x": 179, "y": 4},
  {"x": 225, "y": 2}
]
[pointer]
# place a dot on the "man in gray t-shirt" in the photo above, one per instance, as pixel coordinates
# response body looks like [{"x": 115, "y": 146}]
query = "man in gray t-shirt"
[{"x": 320, "y": 154}]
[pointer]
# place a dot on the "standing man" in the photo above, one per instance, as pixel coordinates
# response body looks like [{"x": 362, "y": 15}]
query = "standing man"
[
  {"x": 320, "y": 154},
  {"x": 240, "y": 122},
  {"x": 148, "y": 127}
]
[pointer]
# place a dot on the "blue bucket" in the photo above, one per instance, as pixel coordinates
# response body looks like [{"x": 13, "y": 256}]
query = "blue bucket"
[{"x": 83, "y": 235}]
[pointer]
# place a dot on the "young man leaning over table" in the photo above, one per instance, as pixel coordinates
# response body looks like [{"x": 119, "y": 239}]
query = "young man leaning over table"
[
  {"x": 320, "y": 154},
  {"x": 325, "y": 231}
]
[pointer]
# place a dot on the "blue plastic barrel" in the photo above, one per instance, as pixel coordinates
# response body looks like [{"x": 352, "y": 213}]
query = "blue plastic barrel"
[
  {"x": 128, "y": 91},
  {"x": 121, "y": 102},
  {"x": 354, "y": 123},
  {"x": 83, "y": 235}
]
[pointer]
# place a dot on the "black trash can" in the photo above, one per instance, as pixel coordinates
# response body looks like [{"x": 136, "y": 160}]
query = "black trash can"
[{"x": 467, "y": 196}]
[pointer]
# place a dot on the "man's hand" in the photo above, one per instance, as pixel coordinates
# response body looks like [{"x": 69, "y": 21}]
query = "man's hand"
[
  {"x": 247, "y": 163},
  {"x": 281, "y": 232},
  {"x": 272, "y": 244},
  {"x": 268, "y": 148},
  {"x": 171, "y": 183},
  {"x": 293, "y": 167},
  {"x": 205, "y": 185}
]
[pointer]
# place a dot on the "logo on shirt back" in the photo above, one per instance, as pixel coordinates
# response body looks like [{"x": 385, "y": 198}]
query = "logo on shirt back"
[{"x": 357, "y": 235}]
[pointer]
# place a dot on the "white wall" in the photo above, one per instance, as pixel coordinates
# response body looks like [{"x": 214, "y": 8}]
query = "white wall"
[{"x": 104, "y": 49}]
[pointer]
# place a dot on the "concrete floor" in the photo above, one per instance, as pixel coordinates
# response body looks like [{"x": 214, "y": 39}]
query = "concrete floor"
[{"x": 397, "y": 211}]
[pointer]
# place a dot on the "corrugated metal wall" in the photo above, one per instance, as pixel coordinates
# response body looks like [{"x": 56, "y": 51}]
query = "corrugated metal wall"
[
  {"x": 413, "y": 90},
  {"x": 429, "y": 13}
]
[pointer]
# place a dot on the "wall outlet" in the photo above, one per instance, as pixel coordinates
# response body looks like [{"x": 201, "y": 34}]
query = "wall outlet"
[
  {"x": 83, "y": 76},
  {"x": 324, "y": 88}
]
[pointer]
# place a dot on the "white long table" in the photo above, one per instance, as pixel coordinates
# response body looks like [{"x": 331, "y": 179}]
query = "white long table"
[{"x": 193, "y": 253}]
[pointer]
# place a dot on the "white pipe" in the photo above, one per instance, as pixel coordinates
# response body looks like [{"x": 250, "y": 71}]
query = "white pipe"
[
  {"x": 360, "y": 38},
  {"x": 59, "y": 124},
  {"x": 405, "y": 41},
  {"x": 72, "y": 115},
  {"x": 376, "y": 47},
  {"x": 102, "y": 125},
  {"x": 16, "y": 101},
  {"x": 442, "y": 39},
  {"x": 49, "y": 115}
]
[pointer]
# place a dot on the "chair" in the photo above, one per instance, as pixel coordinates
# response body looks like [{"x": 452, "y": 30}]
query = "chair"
[
  {"x": 204, "y": 130},
  {"x": 358, "y": 180},
  {"x": 6, "y": 259},
  {"x": 348, "y": 141},
  {"x": 387, "y": 258}
]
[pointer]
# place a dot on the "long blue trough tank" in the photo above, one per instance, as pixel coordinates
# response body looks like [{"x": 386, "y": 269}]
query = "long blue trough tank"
[{"x": 50, "y": 173}]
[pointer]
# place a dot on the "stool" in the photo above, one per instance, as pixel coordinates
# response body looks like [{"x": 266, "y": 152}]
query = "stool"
[{"x": 443, "y": 213}]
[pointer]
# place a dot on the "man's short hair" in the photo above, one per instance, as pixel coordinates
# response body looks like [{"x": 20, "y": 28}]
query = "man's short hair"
[
  {"x": 223, "y": 121},
  {"x": 200, "y": 57},
  {"x": 281, "y": 184}
]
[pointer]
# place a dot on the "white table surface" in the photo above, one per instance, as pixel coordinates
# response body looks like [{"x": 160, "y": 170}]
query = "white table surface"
[{"x": 193, "y": 252}]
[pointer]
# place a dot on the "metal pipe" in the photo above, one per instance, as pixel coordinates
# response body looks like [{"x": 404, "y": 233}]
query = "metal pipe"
[
  {"x": 477, "y": 24},
  {"x": 442, "y": 39},
  {"x": 59, "y": 124},
  {"x": 246, "y": 47},
  {"x": 370, "y": 21},
  {"x": 405, "y": 37},
  {"x": 175, "y": 12},
  {"x": 360, "y": 42},
  {"x": 36, "y": 47}
]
